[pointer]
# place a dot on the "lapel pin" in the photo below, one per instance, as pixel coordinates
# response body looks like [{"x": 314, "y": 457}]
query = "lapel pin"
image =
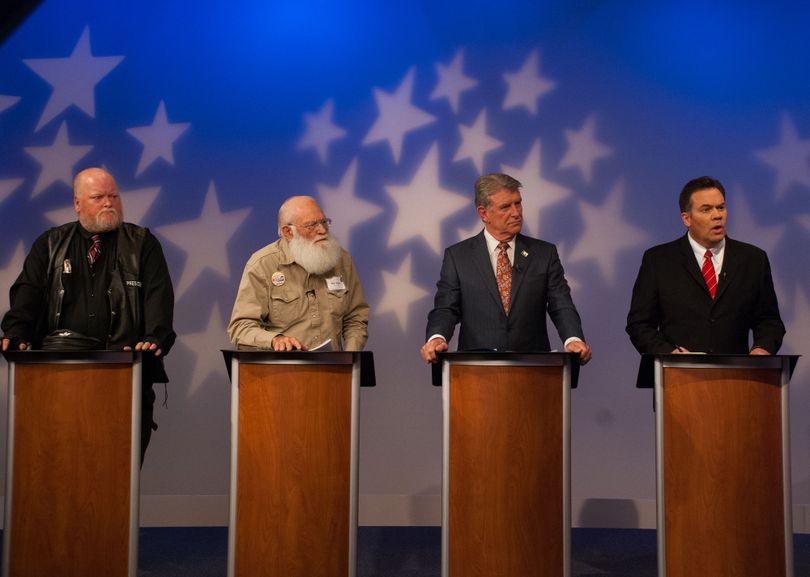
[{"x": 524, "y": 253}]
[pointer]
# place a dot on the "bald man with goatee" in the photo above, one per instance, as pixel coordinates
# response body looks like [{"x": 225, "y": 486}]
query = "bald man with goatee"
[
  {"x": 302, "y": 291},
  {"x": 97, "y": 283}
]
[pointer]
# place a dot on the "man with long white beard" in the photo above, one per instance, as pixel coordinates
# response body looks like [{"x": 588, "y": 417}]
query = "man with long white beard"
[
  {"x": 96, "y": 283},
  {"x": 302, "y": 291}
]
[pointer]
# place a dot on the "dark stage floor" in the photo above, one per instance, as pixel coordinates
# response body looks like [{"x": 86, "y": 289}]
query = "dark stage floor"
[{"x": 411, "y": 552}]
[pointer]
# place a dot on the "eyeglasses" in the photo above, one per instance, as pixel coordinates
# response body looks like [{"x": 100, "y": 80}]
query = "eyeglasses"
[{"x": 310, "y": 226}]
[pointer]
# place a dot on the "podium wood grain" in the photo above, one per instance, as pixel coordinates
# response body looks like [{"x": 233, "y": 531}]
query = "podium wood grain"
[
  {"x": 71, "y": 476},
  {"x": 506, "y": 471},
  {"x": 292, "y": 512},
  {"x": 723, "y": 472}
]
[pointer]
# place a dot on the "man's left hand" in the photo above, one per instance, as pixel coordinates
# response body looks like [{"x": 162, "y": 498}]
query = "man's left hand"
[
  {"x": 582, "y": 349},
  {"x": 146, "y": 346}
]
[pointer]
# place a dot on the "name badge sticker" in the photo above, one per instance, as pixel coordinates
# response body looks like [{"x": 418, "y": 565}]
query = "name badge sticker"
[{"x": 335, "y": 283}]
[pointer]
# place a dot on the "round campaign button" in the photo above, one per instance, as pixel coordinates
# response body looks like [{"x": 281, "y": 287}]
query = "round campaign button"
[{"x": 278, "y": 278}]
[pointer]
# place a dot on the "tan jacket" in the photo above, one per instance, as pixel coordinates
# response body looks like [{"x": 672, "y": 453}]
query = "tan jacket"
[{"x": 277, "y": 296}]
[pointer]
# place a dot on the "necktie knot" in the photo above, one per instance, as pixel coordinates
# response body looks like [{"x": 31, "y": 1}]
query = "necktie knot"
[{"x": 95, "y": 250}]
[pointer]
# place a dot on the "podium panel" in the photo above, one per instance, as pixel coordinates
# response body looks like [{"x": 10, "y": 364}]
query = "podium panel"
[
  {"x": 723, "y": 473},
  {"x": 507, "y": 465},
  {"x": 293, "y": 464},
  {"x": 73, "y": 465}
]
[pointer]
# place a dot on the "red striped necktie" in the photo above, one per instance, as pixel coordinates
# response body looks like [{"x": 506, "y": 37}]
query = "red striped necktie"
[
  {"x": 708, "y": 273},
  {"x": 95, "y": 250}
]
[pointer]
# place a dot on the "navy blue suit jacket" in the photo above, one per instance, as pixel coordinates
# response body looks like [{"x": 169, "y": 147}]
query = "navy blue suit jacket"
[
  {"x": 672, "y": 306},
  {"x": 467, "y": 293}
]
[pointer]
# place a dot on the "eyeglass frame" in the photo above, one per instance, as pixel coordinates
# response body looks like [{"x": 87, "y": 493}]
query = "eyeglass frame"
[{"x": 310, "y": 227}]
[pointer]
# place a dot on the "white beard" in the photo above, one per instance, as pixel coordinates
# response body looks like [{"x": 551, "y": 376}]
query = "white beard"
[{"x": 315, "y": 257}]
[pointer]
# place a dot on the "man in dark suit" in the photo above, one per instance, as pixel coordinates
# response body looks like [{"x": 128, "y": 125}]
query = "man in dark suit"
[
  {"x": 704, "y": 292},
  {"x": 500, "y": 284}
]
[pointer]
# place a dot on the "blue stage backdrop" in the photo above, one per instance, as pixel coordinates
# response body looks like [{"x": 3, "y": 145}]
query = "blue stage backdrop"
[{"x": 211, "y": 113}]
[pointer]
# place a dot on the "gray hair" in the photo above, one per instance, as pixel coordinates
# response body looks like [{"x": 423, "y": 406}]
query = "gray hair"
[{"x": 489, "y": 184}]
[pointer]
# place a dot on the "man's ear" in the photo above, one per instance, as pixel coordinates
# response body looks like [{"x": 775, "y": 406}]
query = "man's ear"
[
  {"x": 686, "y": 219},
  {"x": 482, "y": 213},
  {"x": 286, "y": 232}
]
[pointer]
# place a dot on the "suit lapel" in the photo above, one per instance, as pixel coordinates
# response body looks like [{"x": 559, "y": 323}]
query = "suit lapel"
[
  {"x": 689, "y": 262},
  {"x": 727, "y": 272},
  {"x": 519, "y": 266},
  {"x": 480, "y": 256}
]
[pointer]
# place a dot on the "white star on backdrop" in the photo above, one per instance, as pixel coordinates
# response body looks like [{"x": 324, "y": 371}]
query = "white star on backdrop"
[
  {"x": 211, "y": 338},
  {"x": 475, "y": 142},
  {"x": 606, "y": 233},
  {"x": 345, "y": 208},
  {"x": 465, "y": 233},
  {"x": 9, "y": 273},
  {"x": 741, "y": 219},
  {"x": 526, "y": 86},
  {"x": 136, "y": 204},
  {"x": 9, "y": 185},
  {"x": 205, "y": 240},
  {"x": 422, "y": 205},
  {"x": 583, "y": 149},
  {"x": 452, "y": 81},
  {"x": 537, "y": 192},
  {"x": 790, "y": 158},
  {"x": 320, "y": 130},
  {"x": 158, "y": 138},
  {"x": 73, "y": 78},
  {"x": 57, "y": 160},
  {"x": 397, "y": 116},
  {"x": 7, "y": 101},
  {"x": 400, "y": 293}
]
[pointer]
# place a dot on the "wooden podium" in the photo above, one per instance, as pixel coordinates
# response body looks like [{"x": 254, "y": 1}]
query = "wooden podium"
[
  {"x": 506, "y": 499},
  {"x": 72, "y": 464},
  {"x": 722, "y": 464},
  {"x": 294, "y": 444}
]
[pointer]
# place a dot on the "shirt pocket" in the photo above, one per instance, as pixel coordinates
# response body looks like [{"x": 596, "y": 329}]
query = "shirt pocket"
[
  {"x": 338, "y": 301},
  {"x": 286, "y": 307}
]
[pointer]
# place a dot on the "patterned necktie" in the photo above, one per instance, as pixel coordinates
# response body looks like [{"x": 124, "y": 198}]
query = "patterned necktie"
[
  {"x": 504, "y": 275},
  {"x": 94, "y": 250},
  {"x": 708, "y": 273}
]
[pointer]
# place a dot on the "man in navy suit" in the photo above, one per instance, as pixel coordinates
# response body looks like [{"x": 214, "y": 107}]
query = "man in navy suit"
[
  {"x": 704, "y": 292},
  {"x": 500, "y": 284}
]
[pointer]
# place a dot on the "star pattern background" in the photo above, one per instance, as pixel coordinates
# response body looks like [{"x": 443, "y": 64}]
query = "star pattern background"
[{"x": 387, "y": 114}]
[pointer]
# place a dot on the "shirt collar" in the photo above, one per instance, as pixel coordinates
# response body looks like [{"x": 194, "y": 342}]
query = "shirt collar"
[
  {"x": 492, "y": 242},
  {"x": 700, "y": 250}
]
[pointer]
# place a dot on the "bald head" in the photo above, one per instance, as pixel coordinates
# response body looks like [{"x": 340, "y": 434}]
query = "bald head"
[
  {"x": 96, "y": 200},
  {"x": 298, "y": 210},
  {"x": 90, "y": 177}
]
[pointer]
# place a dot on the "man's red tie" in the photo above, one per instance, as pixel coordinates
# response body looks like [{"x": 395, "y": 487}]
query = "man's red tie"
[
  {"x": 708, "y": 273},
  {"x": 94, "y": 250},
  {"x": 504, "y": 275}
]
